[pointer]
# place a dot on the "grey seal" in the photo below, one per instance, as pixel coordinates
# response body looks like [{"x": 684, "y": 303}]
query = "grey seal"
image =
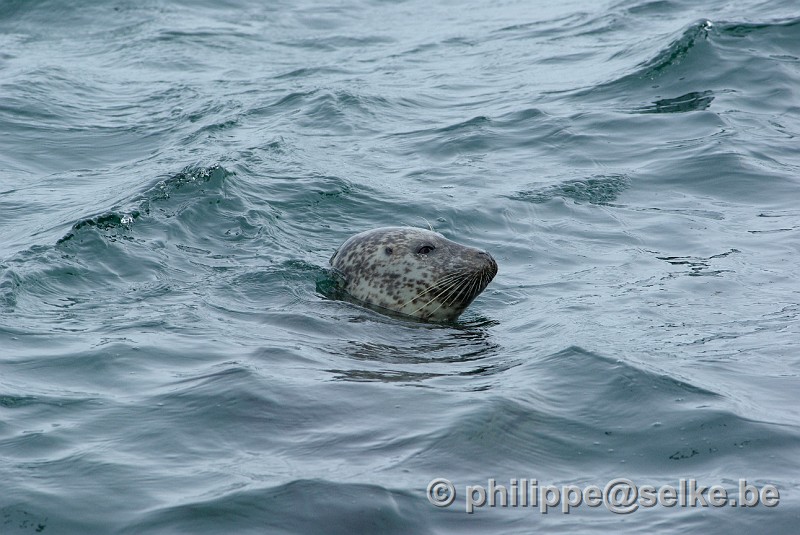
[{"x": 413, "y": 272}]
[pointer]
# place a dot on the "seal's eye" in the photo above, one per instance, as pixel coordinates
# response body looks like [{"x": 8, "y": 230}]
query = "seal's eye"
[
  {"x": 388, "y": 250},
  {"x": 425, "y": 249}
]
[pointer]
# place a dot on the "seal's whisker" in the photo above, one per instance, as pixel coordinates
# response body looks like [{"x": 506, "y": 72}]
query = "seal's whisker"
[
  {"x": 448, "y": 299},
  {"x": 464, "y": 293},
  {"x": 460, "y": 286},
  {"x": 434, "y": 298},
  {"x": 437, "y": 308},
  {"x": 456, "y": 292},
  {"x": 469, "y": 287},
  {"x": 474, "y": 286},
  {"x": 441, "y": 291},
  {"x": 445, "y": 292},
  {"x": 444, "y": 280},
  {"x": 469, "y": 291},
  {"x": 453, "y": 291},
  {"x": 482, "y": 283},
  {"x": 437, "y": 296}
]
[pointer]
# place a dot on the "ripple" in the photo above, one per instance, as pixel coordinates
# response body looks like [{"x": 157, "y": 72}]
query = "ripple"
[
  {"x": 594, "y": 190},
  {"x": 296, "y": 506},
  {"x": 694, "y": 101}
]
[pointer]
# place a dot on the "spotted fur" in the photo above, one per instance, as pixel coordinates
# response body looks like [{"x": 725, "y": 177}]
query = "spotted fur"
[{"x": 412, "y": 271}]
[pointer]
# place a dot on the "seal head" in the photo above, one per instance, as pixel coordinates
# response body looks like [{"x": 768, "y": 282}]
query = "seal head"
[{"x": 412, "y": 271}]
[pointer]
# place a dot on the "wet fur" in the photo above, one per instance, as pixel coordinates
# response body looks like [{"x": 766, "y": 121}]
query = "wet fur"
[{"x": 384, "y": 269}]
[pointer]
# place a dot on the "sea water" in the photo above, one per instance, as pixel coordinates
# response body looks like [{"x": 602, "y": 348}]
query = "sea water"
[{"x": 175, "y": 175}]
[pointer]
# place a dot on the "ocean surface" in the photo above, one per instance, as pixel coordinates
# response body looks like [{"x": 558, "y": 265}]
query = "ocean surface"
[{"x": 175, "y": 175}]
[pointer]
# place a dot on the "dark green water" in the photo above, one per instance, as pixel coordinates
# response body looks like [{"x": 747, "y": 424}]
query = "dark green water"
[{"x": 175, "y": 175}]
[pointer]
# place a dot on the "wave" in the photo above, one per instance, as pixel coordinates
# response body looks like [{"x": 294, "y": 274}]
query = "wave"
[
  {"x": 90, "y": 258},
  {"x": 708, "y": 59},
  {"x": 299, "y": 506},
  {"x": 607, "y": 406},
  {"x": 192, "y": 182}
]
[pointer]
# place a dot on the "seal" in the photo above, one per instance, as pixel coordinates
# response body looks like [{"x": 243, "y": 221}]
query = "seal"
[{"x": 413, "y": 272}]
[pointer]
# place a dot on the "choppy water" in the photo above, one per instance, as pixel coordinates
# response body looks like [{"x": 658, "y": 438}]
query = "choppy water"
[{"x": 175, "y": 175}]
